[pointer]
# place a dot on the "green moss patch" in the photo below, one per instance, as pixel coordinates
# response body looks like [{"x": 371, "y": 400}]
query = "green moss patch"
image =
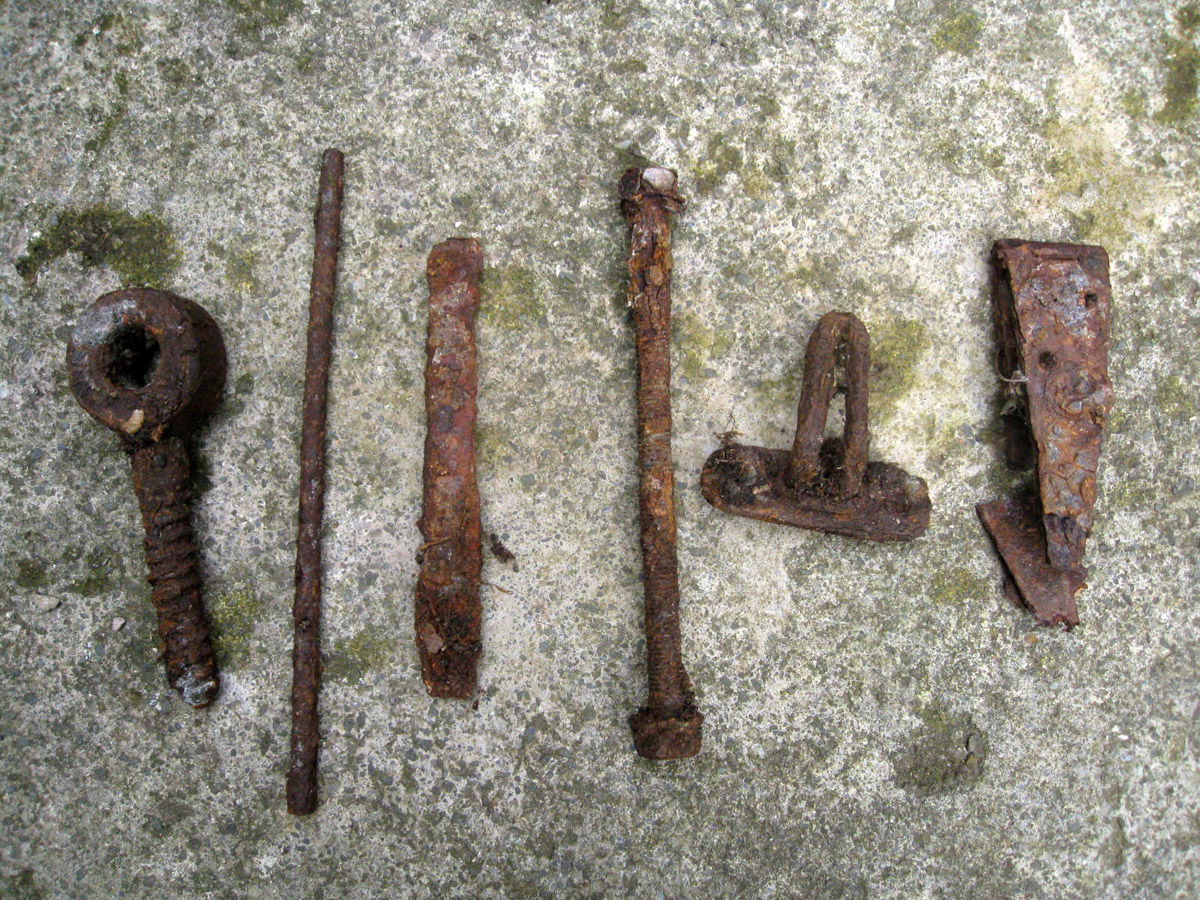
[
  {"x": 108, "y": 127},
  {"x": 31, "y": 574},
  {"x": 1187, "y": 17},
  {"x": 721, "y": 158},
  {"x": 1084, "y": 164},
  {"x": 1181, "y": 60},
  {"x": 1133, "y": 102},
  {"x": 896, "y": 351},
  {"x": 140, "y": 249},
  {"x": 255, "y": 15},
  {"x": 958, "y": 32},
  {"x": 240, "y": 266},
  {"x": 351, "y": 659},
  {"x": 1173, "y": 399},
  {"x": 698, "y": 344},
  {"x": 955, "y": 587},
  {"x": 98, "y": 573},
  {"x": 21, "y": 886},
  {"x": 512, "y": 298},
  {"x": 232, "y": 618}
]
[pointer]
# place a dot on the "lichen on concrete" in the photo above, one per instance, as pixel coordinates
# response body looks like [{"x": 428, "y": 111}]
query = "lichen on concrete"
[
  {"x": 233, "y": 615},
  {"x": 1181, "y": 65},
  {"x": 696, "y": 344},
  {"x": 511, "y": 297},
  {"x": 140, "y": 249},
  {"x": 958, "y": 30},
  {"x": 349, "y": 660},
  {"x": 897, "y": 349}
]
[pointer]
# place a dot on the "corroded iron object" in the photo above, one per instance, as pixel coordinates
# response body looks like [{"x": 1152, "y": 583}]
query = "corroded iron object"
[
  {"x": 151, "y": 366},
  {"x": 1030, "y": 580},
  {"x": 306, "y": 607},
  {"x": 1051, "y": 307},
  {"x": 669, "y": 725},
  {"x": 824, "y": 484},
  {"x": 448, "y": 611}
]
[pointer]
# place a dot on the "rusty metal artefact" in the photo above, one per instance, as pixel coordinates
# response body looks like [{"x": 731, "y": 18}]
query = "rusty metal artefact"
[
  {"x": 669, "y": 725},
  {"x": 825, "y": 484},
  {"x": 447, "y": 610},
  {"x": 151, "y": 366},
  {"x": 306, "y": 608},
  {"x": 1051, "y": 307}
]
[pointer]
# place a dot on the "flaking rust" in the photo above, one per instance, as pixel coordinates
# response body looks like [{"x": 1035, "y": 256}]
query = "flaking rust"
[
  {"x": 448, "y": 611},
  {"x": 1051, "y": 307},
  {"x": 825, "y": 484},
  {"x": 151, "y": 366}
]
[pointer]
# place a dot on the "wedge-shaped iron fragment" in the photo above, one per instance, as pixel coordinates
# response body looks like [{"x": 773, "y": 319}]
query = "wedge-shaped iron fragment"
[
  {"x": 825, "y": 484},
  {"x": 1051, "y": 307}
]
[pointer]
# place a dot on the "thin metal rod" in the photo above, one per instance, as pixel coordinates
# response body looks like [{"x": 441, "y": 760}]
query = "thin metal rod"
[{"x": 306, "y": 611}]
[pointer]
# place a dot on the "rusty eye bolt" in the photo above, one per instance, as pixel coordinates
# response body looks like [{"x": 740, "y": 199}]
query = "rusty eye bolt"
[
  {"x": 668, "y": 726},
  {"x": 151, "y": 366},
  {"x": 825, "y": 484},
  {"x": 1051, "y": 307}
]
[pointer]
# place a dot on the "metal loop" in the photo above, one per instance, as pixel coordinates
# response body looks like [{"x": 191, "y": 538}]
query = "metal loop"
[{"x": 820, "y": 360}]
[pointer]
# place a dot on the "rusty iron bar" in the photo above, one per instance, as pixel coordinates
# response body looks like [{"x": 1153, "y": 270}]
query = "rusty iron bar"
[
  {"x": 151, "y": 366},
  {"x": 447, "y": 610},
  {"x": 825, "y": 484},
  {"x": 669, "y": 725},
  {"x": 302, "y": 795},
  {"x": 1051, "y": 305}
]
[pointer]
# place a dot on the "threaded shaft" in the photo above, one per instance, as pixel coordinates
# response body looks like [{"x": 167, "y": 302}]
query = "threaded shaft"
[{"x": 161, "y": 476}]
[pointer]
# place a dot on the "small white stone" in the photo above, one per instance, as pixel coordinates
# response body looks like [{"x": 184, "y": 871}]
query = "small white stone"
[
  {"x": 117, "y": 624},
  {"x": 134, "y": 423},
  {"x": 659, "y": 178},
  {"x": 45, "y": 604}
]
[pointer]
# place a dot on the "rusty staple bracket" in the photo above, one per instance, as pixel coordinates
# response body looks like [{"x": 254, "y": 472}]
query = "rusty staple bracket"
[
  {"x": 1051, "y": 307},
  {"x": 828, "y": 485}
]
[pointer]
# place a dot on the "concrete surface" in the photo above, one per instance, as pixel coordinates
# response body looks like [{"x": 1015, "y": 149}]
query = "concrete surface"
[{"x": 881, "y": 723}]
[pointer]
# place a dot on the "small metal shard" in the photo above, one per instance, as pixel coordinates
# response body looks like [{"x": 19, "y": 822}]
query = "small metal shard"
[
  {"x": 1051, "y": 309},
  {"x": 501, "y": 552}
]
